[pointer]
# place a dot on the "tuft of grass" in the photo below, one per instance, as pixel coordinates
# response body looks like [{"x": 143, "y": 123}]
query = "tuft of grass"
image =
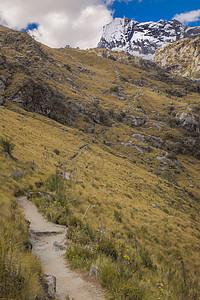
[
  {"x": 118, "y": 216},
  {"x": 56, "y": 151}
]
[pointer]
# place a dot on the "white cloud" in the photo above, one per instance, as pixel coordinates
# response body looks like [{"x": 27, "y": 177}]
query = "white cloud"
[
  {"x": 188, "y": 17},
  {"x": 60, "y": 22}
]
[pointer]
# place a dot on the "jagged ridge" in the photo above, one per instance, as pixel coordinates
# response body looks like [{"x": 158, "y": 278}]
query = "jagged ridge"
[{"x": 143, "y": 38}]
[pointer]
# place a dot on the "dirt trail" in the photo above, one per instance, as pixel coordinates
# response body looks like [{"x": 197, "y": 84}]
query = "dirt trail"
[{"x": 42, "y": 236}]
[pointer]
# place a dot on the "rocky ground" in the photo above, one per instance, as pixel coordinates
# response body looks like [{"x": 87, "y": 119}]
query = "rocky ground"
[{"x": 181, "y": 58}]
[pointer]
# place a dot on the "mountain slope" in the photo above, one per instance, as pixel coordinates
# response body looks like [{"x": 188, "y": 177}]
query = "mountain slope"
[
  {"x": 181, "y": 58},
  {"x": 143, "y": 39},
  {"x": 127, "y": 143}
]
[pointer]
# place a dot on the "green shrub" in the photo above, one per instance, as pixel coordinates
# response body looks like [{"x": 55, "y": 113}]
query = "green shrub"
[
  {"x": 108, "y": 247},
  {"x": 55, "y": 211},
  {"x": 130, "y": 292},
  {"x": 114, "y": 89},
  {"x": 15, "y": 280},
  {"x": 74, "y": 222},
  {"x": 55, "y": 182},
  {"x": 118, "y": 216},
  {"x": 80, "y": 256},
  {"x": 7, "y": 145},
  {"x": 166, "y": 210},
  {"x": 79, "y": 232},
  {"x": 108, "y": 275},
  {"x": 146, "y": 259},
  {"x": 87, "y": 229},
  {"x": 56, "y": 151},
  {"x": 114, "y": 281}
]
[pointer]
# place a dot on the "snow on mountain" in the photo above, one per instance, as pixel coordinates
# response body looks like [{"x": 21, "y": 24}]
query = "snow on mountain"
[{"x": 142, "y": 39}]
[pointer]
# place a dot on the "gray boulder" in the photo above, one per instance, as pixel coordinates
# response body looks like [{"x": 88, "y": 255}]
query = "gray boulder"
[
  {"x": 137, "y": 121},
  {"x": 143, "y": 148},
  {"x": 93, "y": 272},
  {"x": 155, "y": 141},
  {"x": 50, "y": 285},
  {"x": 128, "y": 144},
  {"x": 139, "y": 137},
  {"x": 188, "y": 121}
]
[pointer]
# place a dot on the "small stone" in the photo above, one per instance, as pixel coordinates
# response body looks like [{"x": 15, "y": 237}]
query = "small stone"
[
  {"x": 107, "y": 143},
  {"x": 132, "y": 160},
  {"x": 59, "y": 246},
  {"x": 93, "y": 272},
  {"x": 122, "y": 156},
  {"x": 129, "y": 145},
  {"x": 157, "y": 206}
]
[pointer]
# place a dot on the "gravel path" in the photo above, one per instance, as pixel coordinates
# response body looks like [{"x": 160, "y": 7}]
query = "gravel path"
[{"x": 42, "y": 236}]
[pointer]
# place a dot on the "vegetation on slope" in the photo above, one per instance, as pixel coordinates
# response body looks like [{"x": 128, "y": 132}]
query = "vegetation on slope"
[{"x": 130, "y": 153}]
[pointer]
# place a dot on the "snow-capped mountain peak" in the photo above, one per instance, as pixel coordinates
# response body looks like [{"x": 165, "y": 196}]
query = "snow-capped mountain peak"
[{"x": 143, "y": 39}]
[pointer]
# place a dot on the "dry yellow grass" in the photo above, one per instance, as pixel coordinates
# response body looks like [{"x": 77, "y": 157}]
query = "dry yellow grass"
[
  {"x": 110, "y": 176},
  {"x": 109, "y": 183}
]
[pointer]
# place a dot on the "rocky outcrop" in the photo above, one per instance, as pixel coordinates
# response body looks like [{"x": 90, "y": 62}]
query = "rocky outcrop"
[
  {"x": 50, "y": 285},
  {"x": 29, "y": 76},
  {"x": 188, "y": 121},
  {"x": 181, "y": 58},
  {"x": 142, "y": 39}
]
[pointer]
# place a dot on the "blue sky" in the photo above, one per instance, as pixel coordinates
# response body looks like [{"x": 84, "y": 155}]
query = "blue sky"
[
  {"x": 148, "y": 10},
  {"x": 154, "y": 10}
]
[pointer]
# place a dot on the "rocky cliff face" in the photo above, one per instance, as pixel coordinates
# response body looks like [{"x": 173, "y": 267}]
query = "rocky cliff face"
[
  {"x": 181, "y": 58},
  {"x": 142, "y": 39}
]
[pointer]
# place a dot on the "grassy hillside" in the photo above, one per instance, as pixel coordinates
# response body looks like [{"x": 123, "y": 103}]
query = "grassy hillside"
[{"x": 111, "y": 124}]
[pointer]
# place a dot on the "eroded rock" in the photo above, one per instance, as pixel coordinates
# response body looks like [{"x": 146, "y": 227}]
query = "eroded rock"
[
  {"x": 128, "y": 144},
  {"x": 143, "y": 148},
  {"x": 50, "y": 285},
  {"x": 188, "y": 121},
  {"x": 139, "y": 137}
]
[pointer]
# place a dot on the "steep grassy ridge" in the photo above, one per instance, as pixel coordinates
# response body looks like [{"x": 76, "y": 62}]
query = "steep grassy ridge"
[
  {"x": 128, "y": 152},
  {"x": 181, "y": 58}
]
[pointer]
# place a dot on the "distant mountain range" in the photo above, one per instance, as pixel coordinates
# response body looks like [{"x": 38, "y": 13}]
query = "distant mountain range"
[{"x": 143, "y": 39}]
